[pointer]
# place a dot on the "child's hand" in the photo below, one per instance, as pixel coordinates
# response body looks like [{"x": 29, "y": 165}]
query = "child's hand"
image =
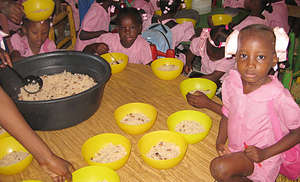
[
  {"x": 102, "y": 48},
  {"x": 254, "y": 153},
  {"x": 187, "y": 68},
  {"x": 222, "y": 149},
  {"x": 198, "y": 99},
  {"x": 13, "y": 11},
  {"x": 4, "y": 59}
]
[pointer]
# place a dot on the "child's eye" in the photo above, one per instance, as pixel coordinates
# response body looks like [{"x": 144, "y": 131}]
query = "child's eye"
[
  {"x": 260, "y": 58},
  {"x": 243, "y": 56}
]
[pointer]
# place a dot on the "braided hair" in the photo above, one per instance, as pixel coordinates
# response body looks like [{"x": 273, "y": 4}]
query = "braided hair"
[{"x": 170, "y": 6}]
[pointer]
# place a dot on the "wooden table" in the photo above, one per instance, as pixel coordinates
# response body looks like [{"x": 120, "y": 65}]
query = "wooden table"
[{"x": 136, "y": 83}]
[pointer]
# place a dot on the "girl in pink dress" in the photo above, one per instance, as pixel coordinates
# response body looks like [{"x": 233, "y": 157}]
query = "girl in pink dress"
[
  {"x": 34, "y": 41},
  {"x": 95, "y": 22},
  {"x": 251, "y": 98},
  {"x": 128, "y": 41},
  {"x": 210, "y": 46}
]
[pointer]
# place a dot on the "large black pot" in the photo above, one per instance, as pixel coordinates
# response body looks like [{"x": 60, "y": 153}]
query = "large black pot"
[{"x": 65, "y": 112}]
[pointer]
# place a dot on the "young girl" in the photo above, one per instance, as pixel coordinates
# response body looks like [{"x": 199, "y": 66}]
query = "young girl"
[
  {"x": 95, "y": 22},
  {"x": 127, "y": 41},
  {"x": 250, "y": 98},
  {"x": 211, "y": 47},
  {"x": 34, "y": 41}
]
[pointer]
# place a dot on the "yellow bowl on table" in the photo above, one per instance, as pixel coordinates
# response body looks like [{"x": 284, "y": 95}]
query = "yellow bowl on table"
[
  {"x": 221, "y": 19},
  {"x": 95, "y": 174},
  {"x": 158, "y": 66},
  {"x": 190, "y": 115},
  {"x": 7, "y": 146},
  {"x": 202, "y": 84},
  {"x": 98, "y": 142},
  {"x": 182, "y": 20},
  {"x": 148, "y": 110},
  {"x": 38, "y": 10},
  {"x": 113, "y": 57},
  {"x": 153, "y": 138}
]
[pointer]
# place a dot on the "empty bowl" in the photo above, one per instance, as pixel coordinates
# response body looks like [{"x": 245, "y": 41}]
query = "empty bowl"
[
  {"x": 146, "y": 109},
  {"x": 221, "y": 19},
  {"x": 167, "y": 68},
  {"x": 153, "y": 139},
  {"x": 182, "y": 20},
  {"x": 8, "y": 145},
  {"x": 202, "y": 84},
  {"x": 38, "y": 10},
  {"x": 117, "y": 61},
  {"x": 95, "y": 174},
  {"x": 193, "y": 131},
  {"x": 92, "y": 146}
]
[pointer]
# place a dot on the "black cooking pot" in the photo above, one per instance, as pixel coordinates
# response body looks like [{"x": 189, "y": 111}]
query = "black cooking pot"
[{"x": 65, "y": 112}]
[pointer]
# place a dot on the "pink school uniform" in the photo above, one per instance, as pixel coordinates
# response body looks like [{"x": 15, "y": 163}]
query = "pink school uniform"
[
  {"x": 249, "y": 119},
  {"x": 279, "y": 16},
  {"x": 234, "y": 3},
  {"x": 198, "y": 47},
  {"x": 21, "y": 44},
  {"x": 146, "y": 6},
  {"x": 96, "y": 19},
  {"x": 249, "y": 21},
  {"x": 154, "y": 5},
  {"x": 138, "y": 53}
]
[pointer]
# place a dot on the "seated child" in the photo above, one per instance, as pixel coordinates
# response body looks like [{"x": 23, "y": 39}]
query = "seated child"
[
  {"x": 95, "y": 22},
  {"x": 127, "y": 41},
  {"x": 34, "y": 41},
  {"x": 211, "y": 47}
]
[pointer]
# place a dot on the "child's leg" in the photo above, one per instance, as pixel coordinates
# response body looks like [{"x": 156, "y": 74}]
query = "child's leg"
[{"x": 231, "y": 167}]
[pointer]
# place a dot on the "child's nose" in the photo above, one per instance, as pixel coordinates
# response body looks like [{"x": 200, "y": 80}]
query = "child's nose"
[{"x": 251, "y": 62}]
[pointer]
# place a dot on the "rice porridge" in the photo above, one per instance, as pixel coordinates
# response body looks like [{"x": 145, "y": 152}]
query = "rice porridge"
[
  {"x": 135, "y": 119},
  {"x": 164, "y": 151},
  {"x": 13, "y": 158},
  {"x": 189, "y": 127},
  {"x": 168, "y": 67},
  {"x": 109, "y": 153},
  {"x": 194, "y": 92}
]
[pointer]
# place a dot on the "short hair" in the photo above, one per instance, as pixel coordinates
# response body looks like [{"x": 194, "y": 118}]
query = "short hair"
[{"x": 131, "y": 12}]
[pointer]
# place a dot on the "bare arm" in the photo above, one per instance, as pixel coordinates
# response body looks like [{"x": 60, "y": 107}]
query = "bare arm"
[
  {"x": 84, "y": 35},
  {"x": 214, "y": 76},
  {"x": 189, "y": 60}
]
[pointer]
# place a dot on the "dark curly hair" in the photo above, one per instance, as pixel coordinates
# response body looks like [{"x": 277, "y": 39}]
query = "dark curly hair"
[{"x": 131, "y": 12}]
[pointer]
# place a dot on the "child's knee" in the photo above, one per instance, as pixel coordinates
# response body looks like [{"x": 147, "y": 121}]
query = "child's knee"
[{"x": 219, "y": 169}]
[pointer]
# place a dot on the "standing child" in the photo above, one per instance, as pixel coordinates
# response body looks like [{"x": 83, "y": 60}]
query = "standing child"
[
  {"x": 128, "y": 41},
  {"x": 95, "y": 22},
  {"x": 34, "y": 41}
]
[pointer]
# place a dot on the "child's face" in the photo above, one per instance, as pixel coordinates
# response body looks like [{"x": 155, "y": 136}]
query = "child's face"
[
  {"x": 128, "y": 31},
  {"x": 255, "y": 56},
  {"x": 36, "y": 33}
]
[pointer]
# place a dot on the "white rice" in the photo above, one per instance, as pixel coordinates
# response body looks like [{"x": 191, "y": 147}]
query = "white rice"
[
  {"x": 13, "y": 158},
  {"x": 58, "y": 86},
  {"x": 194, "y": 92},
  {"x": 2, "y": 130},
  {"x": 189, "y": 127},
  {"x": 168, "y": 67},
  {"x": 109, "y": 153},
  {"x": 164, "y": 151},
  {"x": 135, "y": 119}
]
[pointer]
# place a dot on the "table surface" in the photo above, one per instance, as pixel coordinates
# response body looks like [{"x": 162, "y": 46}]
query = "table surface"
[{"x": 136, "y": 83}]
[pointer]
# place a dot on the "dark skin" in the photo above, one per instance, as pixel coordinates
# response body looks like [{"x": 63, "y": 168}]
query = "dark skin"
[
  {"x": 12, "y": 10},
  {"x": 255, "y": 57}
]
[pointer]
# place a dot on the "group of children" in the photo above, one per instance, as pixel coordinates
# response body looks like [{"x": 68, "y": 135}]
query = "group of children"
[{"x": 236, "y": 57}]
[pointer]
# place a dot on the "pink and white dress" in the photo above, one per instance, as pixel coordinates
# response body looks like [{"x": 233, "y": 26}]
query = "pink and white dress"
[
  {"x": 249, "y": 21},
  {"x": 138, "y": 53},
  {"x": 233, "y": 3},
  {"x": 21, "y": 45},
  {"x": 96, "y": 19},
  {"x": 198, "y": 47},
  {"x": 249, "y": 119}
]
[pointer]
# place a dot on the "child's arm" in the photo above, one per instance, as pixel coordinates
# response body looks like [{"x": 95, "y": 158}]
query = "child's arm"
[
  {"x": 214, "y": 76},
  {"x": 84, "y": 35},
  {"x": 189, "y": 60},
  {"x": 16, "y": 56},
  {"x": 13, "y": 122},
  {"x": 222, "y": 137},
  {"x": 96, "y": 48}
]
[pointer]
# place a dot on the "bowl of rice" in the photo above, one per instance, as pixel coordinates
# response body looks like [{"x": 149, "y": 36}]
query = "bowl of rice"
[
  {"x": 193, "y": 85},
  {"x": 167, "y": 68},
  {"x": 14, "y": 158},
  {"x": 3, "y": 133},
  {"x": 117, "y": 61},
  {"x": 194, "y": 126},
  {"x": 73, "y": 86},
  {"x": 162, "y": 149},
  {"x": 135, "y": 118},
  {"x": 95, "y": 173},
  {"x": 108, "y": 149}
]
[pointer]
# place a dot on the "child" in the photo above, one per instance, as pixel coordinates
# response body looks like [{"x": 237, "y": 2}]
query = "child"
[
  {"x": 128, "y": 41},
  {"x": 95, "y": 22},
  {"x": 34, "y": 41},
  {"x": 211, "y": 47},
  {"x": 250, "y": 95},
  {"x": 233, "y": 3}
]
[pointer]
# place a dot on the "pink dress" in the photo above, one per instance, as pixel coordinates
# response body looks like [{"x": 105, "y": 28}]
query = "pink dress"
[
  {"x": 234, "y": 3},
  {"x": 154, "y": 5},
  {"x": 146, "y": 6},
  {"x": 21, "y": 45},
  {"x": 138, "y": 53},
  {"x": 198, "y": 47},
  {"x": 75, "y": 13},
  {"x": 279, "y": 16},
  {"x": 96, "y": 19},
  {"x": 249, "y": 21},
  {"x": 252, "y": 125}
]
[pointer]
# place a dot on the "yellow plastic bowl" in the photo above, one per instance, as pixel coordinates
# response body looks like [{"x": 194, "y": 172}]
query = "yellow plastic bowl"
[
  {"x": 94, "y": 174},
  {"x": 5, "y": 134},
  {"x": 38, "y": 10},
  {"x": 197, "y": 116},
  {"x": 95, "y": 143},
  {"x": 166, "y": 75},
  {"x": 153, "y": 138},
  {"x": 188, "y": 4},
  {"x": 158, "y": 12},
  {"x": 143, "y": 108},
  {"x": 116, "y": 68},
  {"x": 191, "y": 84},
  {"x": 182, "y": 20},
  {"x": 8, "y": 145},
  {"x": 221, "y": 19}
]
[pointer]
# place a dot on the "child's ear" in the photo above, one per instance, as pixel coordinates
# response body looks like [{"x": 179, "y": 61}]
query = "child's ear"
[{"x": 275, "y": 60}]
